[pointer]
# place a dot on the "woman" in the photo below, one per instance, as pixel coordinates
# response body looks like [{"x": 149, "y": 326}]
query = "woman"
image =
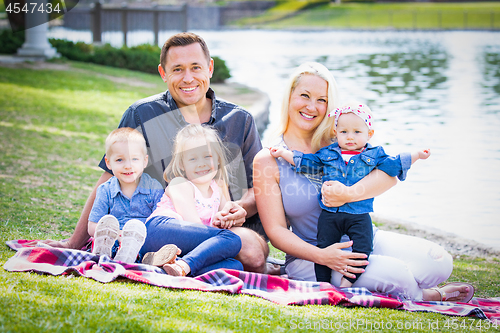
[{"x": 399, "y": 264}]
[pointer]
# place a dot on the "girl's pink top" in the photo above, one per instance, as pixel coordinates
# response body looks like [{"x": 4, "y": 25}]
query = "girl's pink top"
[{"x": 205, "y": 207}]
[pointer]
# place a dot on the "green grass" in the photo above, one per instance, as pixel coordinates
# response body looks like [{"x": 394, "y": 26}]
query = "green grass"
[
  {"x": 53, "y": 125},
  {"x": 281, "y": 11},
  {"x": 351, "y": 15}
]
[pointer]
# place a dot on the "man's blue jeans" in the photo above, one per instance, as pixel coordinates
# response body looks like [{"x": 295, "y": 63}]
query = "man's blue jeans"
[{"x": 203, "y": 248}]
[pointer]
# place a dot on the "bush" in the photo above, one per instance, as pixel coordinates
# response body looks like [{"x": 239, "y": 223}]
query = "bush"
[
  {"x": 10, "y": 41},
  {"x": 221, "y": 72},
  {"x": 74, "y": 51},
  {"x": 143, "y": 58},
  {"x": 109, "y": 56}
]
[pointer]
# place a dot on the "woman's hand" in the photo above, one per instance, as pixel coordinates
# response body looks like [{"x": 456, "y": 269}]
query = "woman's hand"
[
  {"x": 343, "y": 262},
  {"x": 334, "y": 194},
  {"x": 231, "y": 215}
]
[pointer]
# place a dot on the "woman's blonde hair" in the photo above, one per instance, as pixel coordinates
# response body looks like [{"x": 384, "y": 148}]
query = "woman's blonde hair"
[
  {"x": 194, "y": 131},
  {"x": 324, "y": 132}
]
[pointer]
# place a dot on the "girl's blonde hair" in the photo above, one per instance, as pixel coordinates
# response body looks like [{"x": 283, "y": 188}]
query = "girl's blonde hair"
[
  {"x": 324, "y": 132},
  {"x": 194, "y": 131}
]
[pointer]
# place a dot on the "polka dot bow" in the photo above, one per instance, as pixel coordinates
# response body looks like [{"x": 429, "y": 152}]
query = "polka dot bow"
[{"x": 360, "y": 110}]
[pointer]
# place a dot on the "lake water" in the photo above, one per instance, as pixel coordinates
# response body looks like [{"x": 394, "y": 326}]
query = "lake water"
[{"x": 438, "y": 90}]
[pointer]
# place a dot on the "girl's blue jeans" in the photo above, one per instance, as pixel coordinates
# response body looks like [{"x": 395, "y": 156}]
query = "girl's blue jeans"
[{"x": 203, "y": 248}]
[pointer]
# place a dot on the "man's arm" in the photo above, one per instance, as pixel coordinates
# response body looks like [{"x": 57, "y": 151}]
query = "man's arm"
[
  {"x": 248, "y": 202},
  {"x": 80, "y": 236}
]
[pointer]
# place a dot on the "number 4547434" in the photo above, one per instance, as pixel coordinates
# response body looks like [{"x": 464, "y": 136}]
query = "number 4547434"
[{"x": 32, "y": 7}]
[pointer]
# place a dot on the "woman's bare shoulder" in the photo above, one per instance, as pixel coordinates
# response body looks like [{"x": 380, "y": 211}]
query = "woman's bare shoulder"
[
  {"x": 265, "y": 167},
  {"x": 264, "y": 157}
]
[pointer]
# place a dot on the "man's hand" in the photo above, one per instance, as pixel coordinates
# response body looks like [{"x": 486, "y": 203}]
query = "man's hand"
[
  {"x": 60, "y": 244},
  {"x": 221, "y": 222},
  {"x": 231, "y": 215}
]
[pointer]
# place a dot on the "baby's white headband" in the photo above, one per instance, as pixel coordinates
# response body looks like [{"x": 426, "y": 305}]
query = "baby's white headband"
[{"x": 360, "y": 110}]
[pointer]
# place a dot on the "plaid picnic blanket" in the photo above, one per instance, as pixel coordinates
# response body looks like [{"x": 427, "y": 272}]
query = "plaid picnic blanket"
[{"x": 54, "y": 261}]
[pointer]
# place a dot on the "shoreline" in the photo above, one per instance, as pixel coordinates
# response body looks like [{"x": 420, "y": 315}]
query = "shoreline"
[{"x": 457, "y": 246}]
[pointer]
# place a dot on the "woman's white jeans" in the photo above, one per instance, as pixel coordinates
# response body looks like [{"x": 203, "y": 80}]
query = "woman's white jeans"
[{"x": 399, "y": 264}]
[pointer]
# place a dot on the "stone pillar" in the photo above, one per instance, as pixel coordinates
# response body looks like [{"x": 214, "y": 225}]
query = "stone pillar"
[
  {"x": 36, "y": 43},
  {"x": 96, "y": 23}
]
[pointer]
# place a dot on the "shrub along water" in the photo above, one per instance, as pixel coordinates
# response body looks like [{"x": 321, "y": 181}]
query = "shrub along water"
[
  {"x": 143, "y": 58},
  {"x": 10, "y": 41}
]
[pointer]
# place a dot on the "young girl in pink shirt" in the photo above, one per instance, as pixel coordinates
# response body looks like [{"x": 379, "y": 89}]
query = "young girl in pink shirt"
[
  {"x": 196, "y": 177},
  {"x": 196, "y": 192}
]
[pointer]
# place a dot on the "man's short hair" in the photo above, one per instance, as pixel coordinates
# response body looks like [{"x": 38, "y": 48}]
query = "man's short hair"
[
  {"x": 183, "y": 39},
  {"x": 125, "y": 134}
]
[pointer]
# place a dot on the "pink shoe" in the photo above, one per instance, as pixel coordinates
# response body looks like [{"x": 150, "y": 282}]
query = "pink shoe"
[{"x": 174, "y": 269}]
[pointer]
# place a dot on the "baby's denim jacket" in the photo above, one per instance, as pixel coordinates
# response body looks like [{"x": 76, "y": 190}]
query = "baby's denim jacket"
[{"x": 329, "y": 161}]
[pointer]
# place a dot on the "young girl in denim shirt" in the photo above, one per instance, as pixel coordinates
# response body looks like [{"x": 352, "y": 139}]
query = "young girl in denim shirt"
[{"x": 348, "y": 160}]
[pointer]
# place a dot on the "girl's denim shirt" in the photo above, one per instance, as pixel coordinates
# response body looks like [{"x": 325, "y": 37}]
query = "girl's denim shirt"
[{"x": 329, "y": 161}]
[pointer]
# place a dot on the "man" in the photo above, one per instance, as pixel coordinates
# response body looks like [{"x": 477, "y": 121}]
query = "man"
[{"x": 186, "y": 68}]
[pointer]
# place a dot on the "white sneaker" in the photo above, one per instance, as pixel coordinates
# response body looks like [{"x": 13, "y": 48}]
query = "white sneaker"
[
  {"x": 106, "y": 233},
  {"x": 133, "y": 237}
]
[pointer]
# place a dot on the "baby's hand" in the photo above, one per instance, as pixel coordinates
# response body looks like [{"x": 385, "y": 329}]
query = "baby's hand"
[
  {"x": 424, "y": 154},
  {"x": 276, "y": 152}
]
